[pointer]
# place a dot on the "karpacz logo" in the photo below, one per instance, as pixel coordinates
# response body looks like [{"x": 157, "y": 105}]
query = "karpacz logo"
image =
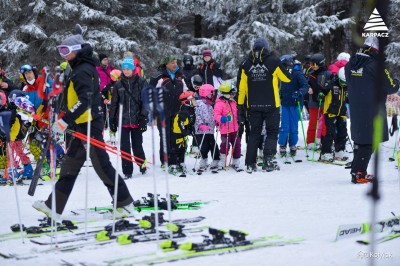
[
  {"x": 350, "y": 231},
  {"x": 376, "y": 26},
  {"x": 258, "y": 72}
]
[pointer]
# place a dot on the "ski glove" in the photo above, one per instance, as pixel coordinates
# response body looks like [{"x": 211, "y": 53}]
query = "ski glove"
[
  {"x": 242, "y": 113},
  {"x": 59, "y": 126},
  {"x": 241, "y": 129},
  {"x": 204, "y": 127},
  {"x": 143, "y": 125},
  {"x": 113, "y": 125},
  {"x": 226, "y": 118},
  {"x": 296, "y": 95}
]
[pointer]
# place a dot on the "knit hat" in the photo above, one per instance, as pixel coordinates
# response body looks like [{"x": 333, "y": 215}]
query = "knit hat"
[
  {"x": 128, "y": 63},
  {"x": 73, "y": 40},
  {"x": 206, "y": 52},
  {"x": 372, "y": 42},
  {"x": 102, "y": 56},
  {"x": 167, "y": 59},
  {"x": 260, "y": 43}
]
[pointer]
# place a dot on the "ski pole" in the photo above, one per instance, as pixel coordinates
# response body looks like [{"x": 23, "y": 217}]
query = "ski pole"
[
  {"x": 199, "y": 152},
  {"x": 227, "y": 146},
  {"x": 88, "y": 130},
  {"x": 121, "y": 106},
  {"x": 302, "y": 128},
  {"x": 96, "y": 142},
  {"x": 11, "y": 162},
  {"x": 150, "y": 100},
  {"x": 233, "y": 147},
  {"x": 316, "y": 130},
  {"x": 215, "y": 142},
  {"x": 112, "y": 149},
  {"x": 161, "y": 116}
]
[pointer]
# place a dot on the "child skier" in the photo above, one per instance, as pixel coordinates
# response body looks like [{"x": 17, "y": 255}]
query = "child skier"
[
  {"x": 335, "y": 119},
  {"x": 291, "y": 95},
  {"x": 182, "y": 126},
  {"x": 225, "y": 113},
  {"x": 204, "y": 127}
]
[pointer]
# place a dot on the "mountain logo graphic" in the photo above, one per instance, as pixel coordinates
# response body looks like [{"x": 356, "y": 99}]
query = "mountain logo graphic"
[{"x": 375, "y": 22}]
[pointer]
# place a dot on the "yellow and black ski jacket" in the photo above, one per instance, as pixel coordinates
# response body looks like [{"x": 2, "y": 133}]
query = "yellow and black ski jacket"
[
  {"x": 259, "y": 80},
  {"x": 83, "y": 78}
]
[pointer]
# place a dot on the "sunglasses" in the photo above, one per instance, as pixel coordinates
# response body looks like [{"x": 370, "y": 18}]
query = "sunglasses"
[
  {"x": 26, "y": 68},
  {"x": 65, "y": 50}
]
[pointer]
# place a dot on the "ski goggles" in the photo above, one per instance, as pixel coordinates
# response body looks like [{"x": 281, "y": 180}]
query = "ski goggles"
[{"x": 65, "y": 50}]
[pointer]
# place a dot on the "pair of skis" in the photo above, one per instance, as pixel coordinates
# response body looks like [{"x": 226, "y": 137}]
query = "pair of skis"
[{"x": 390, "y": 225}]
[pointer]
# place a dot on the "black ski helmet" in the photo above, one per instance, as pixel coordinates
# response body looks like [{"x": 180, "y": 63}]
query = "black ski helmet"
[
  {"x": 187, "y": 60},
  {"x": 318, "y": 58},
  {"x": 287, "y": 60},
  {"x": 197, "y": 80}
]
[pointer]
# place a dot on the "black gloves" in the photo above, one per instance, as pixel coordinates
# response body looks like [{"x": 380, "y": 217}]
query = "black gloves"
[
  {"x": 242, "y": 113},
  {"x": 113, "y": 125},
  {"x": 143, "y": 124}
]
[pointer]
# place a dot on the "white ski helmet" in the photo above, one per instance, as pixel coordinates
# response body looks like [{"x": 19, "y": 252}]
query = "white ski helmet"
[
  {"x": 372, "y": 42},
  {"x": 342, "y": 76},
  {"x": 343, "y": 56}
]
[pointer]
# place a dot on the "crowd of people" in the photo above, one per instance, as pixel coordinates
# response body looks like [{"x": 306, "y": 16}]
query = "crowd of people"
[{"x": 266, "y": 102}]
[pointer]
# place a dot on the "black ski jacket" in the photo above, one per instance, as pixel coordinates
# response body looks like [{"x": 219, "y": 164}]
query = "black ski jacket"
[
  {"x": 133, "y": 110},
  {"x": 361, "y": 76}
]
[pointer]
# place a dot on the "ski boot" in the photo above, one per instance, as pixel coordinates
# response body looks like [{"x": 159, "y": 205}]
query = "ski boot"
[
  {"x": 251, "y": 168},
  {"x": 203, "y": 165},
  {"x": 214, "y": 165},
  {"x": 341, "y": 156},
  {"x": 282, "y": 151},
  {"x": 236, "y": 165},
  {"x": 293, "y": 151},
  {"x": 326, "y": 157},
  {"x": 173, "y": 169},
  {"x": 361, "y": 178},
  {"x": 269, "y": 165}
]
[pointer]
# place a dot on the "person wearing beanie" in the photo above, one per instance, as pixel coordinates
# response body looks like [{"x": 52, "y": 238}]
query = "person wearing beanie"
[
  {"x": 259, "y": 77},
  {"x": 104, "y": 70},
  {"x": 210, "y": 70},
  {"x": 340, "y": 62},
  {"x": 83, "y": 89},
  {"x": 134, "y": 118},
  {"x": 138, "y": 68},
  {"x": 362, "y": 75},
  {"x": 170, "y": 77}
]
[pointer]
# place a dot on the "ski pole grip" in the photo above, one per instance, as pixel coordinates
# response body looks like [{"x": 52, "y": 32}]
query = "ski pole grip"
[{"x": 90, "y": 98}]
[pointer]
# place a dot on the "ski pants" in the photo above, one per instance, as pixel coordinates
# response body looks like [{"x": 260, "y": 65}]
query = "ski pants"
[
  {"x": 289, "y": 125},
  {"x": 312, "y": 125},
  {"x": 178, "y": 149},
  {"x": 207, "y": 146},
  {"x": 229, "y": 139},
  {"x": 271, "y": 116},
  {"x": 73, "y": 162},
  {"x": 362, "y": 155},
  {"x": 336, "y": 129},
  {"x": 131, "y": 138}
]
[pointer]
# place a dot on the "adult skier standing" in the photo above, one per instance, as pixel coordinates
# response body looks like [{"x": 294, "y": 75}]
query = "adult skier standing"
[
  {"x": 361, "y": 77},
  {"x": 83, "y": 78}
]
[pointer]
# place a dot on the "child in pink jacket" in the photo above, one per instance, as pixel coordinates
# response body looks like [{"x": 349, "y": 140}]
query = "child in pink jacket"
[{"x": 225, "y": 115}]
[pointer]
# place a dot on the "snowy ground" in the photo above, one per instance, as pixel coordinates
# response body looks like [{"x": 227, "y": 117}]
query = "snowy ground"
[{"x": 307, "y": 199}]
